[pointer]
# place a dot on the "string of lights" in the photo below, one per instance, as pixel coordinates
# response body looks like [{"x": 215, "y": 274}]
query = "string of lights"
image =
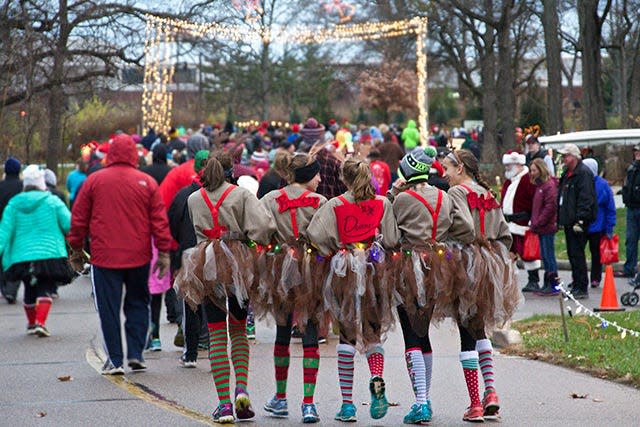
[{"x": 157, "y": 98}]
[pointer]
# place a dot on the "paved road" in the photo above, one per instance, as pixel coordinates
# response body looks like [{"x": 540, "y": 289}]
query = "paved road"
[{"x": 533, "y": 393}]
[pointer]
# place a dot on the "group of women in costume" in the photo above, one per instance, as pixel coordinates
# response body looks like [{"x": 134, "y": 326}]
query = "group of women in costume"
[{"x": 359, "y": 259}]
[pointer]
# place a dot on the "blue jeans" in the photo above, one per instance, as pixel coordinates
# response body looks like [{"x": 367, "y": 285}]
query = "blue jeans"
[
  {"x": 631, "y": 244},
  {"x": 547, "y": 252}
]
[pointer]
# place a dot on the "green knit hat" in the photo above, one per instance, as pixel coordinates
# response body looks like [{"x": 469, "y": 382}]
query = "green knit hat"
[{"x": 200, "y": 160}]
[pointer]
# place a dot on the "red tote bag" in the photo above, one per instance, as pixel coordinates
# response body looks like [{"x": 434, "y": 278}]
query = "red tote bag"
[
  {"x": 609, "y": 250},
  {"x": 531, "y": 250}
]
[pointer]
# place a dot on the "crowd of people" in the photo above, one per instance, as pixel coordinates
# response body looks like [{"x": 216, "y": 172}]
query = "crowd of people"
[{"x": 311, "y": 225}]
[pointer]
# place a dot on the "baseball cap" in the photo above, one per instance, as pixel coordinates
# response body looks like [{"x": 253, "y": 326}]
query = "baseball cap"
[{"x": 570, "y": 149}]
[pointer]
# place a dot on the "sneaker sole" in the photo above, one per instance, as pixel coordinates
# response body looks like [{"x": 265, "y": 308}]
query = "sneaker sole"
[
  {"x": 137, "y": 367},
  {"x": 42, "y": 333},
  {"x": 310, "y": 420},
  {"x": 474, "y": 420},
  {"x": 118, "y": 372},
  {"x": 491, "y": 409},
  {"x": 379, "y": 405},
  {"x": 227, "y": 419},
  {"x": 346, "y": 420},
  {"x": 275, "y": 414}
]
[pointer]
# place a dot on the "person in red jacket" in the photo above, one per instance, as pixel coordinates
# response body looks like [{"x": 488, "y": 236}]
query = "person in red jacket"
[
  {"x": 517, "y": 199},
  {"x": 120, "y": 209}
]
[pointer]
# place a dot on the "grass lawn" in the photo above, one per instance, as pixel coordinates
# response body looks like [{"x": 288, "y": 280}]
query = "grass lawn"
[
  {"x": 599, "y": 351},
  {"x": 620, "y": 230}
]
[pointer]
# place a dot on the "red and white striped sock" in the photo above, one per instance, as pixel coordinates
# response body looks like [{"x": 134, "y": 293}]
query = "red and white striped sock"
[{"x": 346, "y": 354}]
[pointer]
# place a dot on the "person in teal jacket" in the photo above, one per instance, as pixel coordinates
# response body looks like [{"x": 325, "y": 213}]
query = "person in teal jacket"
[
  {"x": 32, "y": 245},
  {"x": 410, "y": 136}
]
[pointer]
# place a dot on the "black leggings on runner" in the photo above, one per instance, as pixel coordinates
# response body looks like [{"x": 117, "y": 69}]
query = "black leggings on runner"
[
  {"x": 468, "y": 338},
  {"x": 309, "y": 339},
  {"x": 411, "y": 339},
  {"x": 216, "y": 314}
]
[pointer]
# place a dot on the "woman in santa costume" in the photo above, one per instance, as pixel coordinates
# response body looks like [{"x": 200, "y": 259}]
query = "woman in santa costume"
[
  {"x": 356, "y": 228},
  {"x": 218, "y": 273},
  {"x": 423, "y": 213},
  {"x": 485, "y": 292},
  {"x": 291, "y": 275}
]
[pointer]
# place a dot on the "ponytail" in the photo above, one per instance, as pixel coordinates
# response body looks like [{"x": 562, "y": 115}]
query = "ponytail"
[
  {"x": 212, "y": 176},
  {"x": 282, "y": 165},
  {"x": 357, "y": 176},
  {"x": 470, "y": 164}
]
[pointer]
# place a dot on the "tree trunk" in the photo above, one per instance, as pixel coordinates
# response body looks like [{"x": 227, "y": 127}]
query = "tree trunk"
[
  {"x": 554, "y": 78},
  {"x": 490, "y": 148},
  {"x": 590, "y": 36},
  {"x": 264, "y": 71},
  {"x": 634, "y": 99},
  {"x": 505, "y": 87}
]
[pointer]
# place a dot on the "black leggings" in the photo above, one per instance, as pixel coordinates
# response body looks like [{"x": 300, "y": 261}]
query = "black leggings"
[
  {"x": 309, "y": 339},
  {"x": 33, "y": 290},
  {"x": 215, "y": 314},
  {"x": 411, "y": 339},
  {"x": 468, "y": 338},
  {"x": 156, "y": 306}
]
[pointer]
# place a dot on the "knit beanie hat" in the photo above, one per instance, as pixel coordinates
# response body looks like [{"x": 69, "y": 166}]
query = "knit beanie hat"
[
  {"x": 12, "y": 166},
  {"x": 416, "y": 165},
  {"x": 201, "y": 159},
  {"x": 50, "y": 177},
  {"x": 592, "y": 164},
  {"x": 33, "y": 176}
]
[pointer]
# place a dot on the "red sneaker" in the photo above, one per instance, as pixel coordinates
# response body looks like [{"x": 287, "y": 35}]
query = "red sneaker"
[
  {"x": 474, "y": 414},
  {"x": 491, "y": 405}
]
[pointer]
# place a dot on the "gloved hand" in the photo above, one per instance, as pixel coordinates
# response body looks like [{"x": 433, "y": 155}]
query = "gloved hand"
[
  {"x": 162, "y": 264},
  {"x": 77, "y": 259},
  {"x": 578, "y": 227}
]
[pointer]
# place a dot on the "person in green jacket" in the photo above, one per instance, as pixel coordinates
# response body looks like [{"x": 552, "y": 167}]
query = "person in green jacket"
[
  {"x": 410, "y": 136},
  {"x": 32, "y": 246}
]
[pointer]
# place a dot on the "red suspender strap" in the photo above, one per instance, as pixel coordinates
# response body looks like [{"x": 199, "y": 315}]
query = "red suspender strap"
[
  {"x": 343, "y": 200},
  {"x": 434, "y": 213},
  {"x": 217, "y": 230},
  {"x": 292, "y": 211},
  {"x": 476, "y": 202}
]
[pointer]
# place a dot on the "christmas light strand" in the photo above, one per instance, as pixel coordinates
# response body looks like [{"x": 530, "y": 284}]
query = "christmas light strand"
[
  {"x": 604, "y": 323},
  {"x": 157, "y": 98}
]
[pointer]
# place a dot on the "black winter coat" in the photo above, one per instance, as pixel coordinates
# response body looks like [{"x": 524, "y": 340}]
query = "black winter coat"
[
  {"x": 11, "y": 186},
  {"x": 631, "y": 187},
  {"x": 181, "y": 225},
  {"x": 577, "y": 197}
]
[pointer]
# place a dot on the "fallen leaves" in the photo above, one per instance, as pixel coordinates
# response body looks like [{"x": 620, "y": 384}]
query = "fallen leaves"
[
  {"x": 65, "y": 378},
  {"x": 578, "y": 396},
  {"x": 41, "y": 414}
]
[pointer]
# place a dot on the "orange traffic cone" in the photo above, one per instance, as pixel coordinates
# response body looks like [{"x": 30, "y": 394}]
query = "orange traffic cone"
[{"x": 609, "y": 300}]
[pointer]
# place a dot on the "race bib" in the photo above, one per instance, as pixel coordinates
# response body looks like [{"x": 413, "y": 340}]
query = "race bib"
[{"x": 358, "y": 222}]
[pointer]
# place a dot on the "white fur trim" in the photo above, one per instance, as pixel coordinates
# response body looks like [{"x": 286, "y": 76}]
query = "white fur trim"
[
  {"x": 532, "y": 265},
  {"x": 514, "y": 158}
]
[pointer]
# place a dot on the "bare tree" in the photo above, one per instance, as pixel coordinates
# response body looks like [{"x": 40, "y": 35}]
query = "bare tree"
[
  {"x": 591, "y": 40},
  {"x": 550, "y": 24}
]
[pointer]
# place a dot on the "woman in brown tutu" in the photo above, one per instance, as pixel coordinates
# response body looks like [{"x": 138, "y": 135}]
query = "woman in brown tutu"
[
  {"x": 356, "y": 228},
  {"x": 291, "y": 275},
  {"x": 485, "y": 293},
  {"x": 218, "y": 273},
  {"x": 423, "y": 214}
]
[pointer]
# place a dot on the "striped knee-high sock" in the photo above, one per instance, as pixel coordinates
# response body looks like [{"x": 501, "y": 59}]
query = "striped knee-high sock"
[
  {"x": 375, "y": 358},
  {"x": 469, "y": 361},
  {"x": 428, "y": 369},
  {"x": 310, "y": 365},
  {"x": 219, "y": 359},
  {"x": 30, "y": 311},
  {"x": 43, "y": 305},
  {"x": 281, "y": 363},
  {"x": 346, "y": 353},
  {"x": 485, "y": 354},
  {"x": 239, "y": 351},
  {"x": 416, "y": 369}
]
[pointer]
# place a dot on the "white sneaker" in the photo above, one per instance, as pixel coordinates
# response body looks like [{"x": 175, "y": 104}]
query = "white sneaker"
[
  {"x": 109, "y": 369},
  {"x": 137, "y": 365}
]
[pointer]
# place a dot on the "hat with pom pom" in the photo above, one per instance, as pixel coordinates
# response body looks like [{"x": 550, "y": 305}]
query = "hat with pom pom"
[{"x": 415, "y": 165}]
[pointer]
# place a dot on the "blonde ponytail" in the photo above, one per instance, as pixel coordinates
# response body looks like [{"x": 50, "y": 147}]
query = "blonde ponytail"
[{"x": 356, "y": 175}]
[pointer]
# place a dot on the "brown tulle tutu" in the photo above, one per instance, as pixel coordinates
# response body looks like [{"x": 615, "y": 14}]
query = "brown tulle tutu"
[
  {"x": 422, "y": 274},
  {"x": 360, "y": 296},
  {"x": 289, "y": 280},
  {"x": 482, "y": 291},
  {"x": 216, "y": 269}
]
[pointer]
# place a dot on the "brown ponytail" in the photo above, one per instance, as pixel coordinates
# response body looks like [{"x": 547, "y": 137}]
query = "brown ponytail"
[
  {"x": 357, "y": 176},
  {"x": 285, "y": 164},
  {"x": 212, "y": 176},
  {"x": 470, "y": 164}
]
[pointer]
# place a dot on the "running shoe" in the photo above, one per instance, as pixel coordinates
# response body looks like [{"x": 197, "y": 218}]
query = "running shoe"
[
  {"x": 310, "y": 413},
  {"x": 110, "y": 369},
  {"x": 137, "y": 365},
  {"x": 155, "y": 345},
  {"x": 277, "y": 407},
  {"x": 347, "y": 413},
  {"x": 491, "y": 405},
  {"x": 379, "y": 404},
  {"x": 243, "y": 405},
  {"x": 419, "y": 414},
  {"x": 474, "y": 414},
  {"x": 223, "y": 414},
  {"x": 41, "y": 331}
]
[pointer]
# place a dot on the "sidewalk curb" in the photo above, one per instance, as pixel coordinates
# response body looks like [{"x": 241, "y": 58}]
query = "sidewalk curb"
[{"x": 506, "y": 336}]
